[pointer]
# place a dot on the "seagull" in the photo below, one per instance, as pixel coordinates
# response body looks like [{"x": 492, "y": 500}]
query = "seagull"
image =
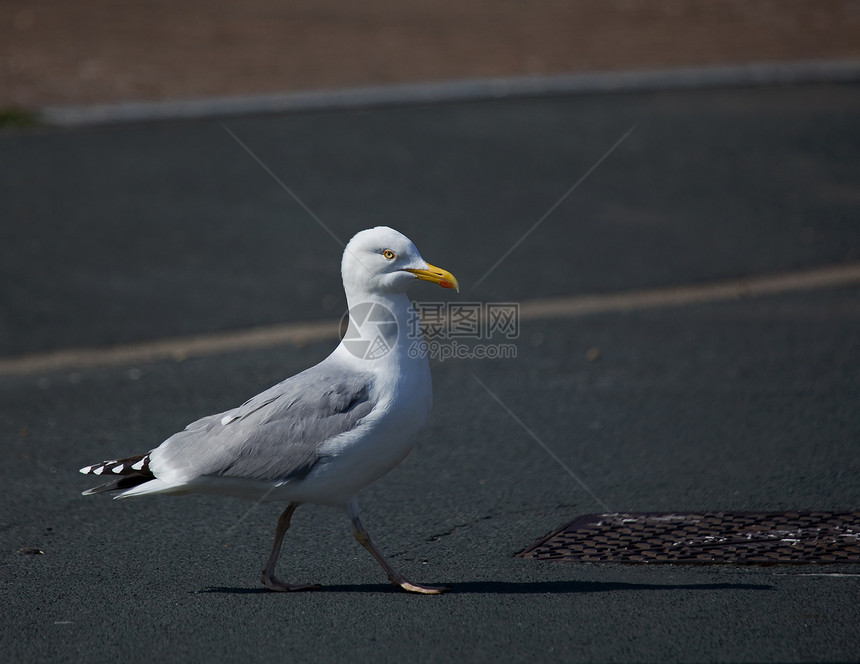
[{"x": 325, "y": 433}]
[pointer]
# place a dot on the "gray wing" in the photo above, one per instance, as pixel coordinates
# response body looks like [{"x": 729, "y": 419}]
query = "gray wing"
[{"x": 275, "y": 435}]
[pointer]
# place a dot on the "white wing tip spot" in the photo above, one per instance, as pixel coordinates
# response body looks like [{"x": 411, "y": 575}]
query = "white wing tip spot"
[
  {"x": 118, "y": 469},
  {"x": 99, "y": 470},
  {"x": 85, "y": 470},
  {"x": 139, "y": 465}
]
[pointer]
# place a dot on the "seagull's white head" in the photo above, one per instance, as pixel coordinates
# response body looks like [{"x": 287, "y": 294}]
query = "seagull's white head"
[{"x": 382, "y": 261}]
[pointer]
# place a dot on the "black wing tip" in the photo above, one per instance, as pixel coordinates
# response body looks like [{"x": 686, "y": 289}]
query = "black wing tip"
[
  {"x": 126, "y": 482},
  {"x": 128, "y": 466},
  {"x": 127, "y": 473}
]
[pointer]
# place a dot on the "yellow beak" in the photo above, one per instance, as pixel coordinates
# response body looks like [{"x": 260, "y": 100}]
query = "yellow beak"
[{"x": 437, "y": 275}]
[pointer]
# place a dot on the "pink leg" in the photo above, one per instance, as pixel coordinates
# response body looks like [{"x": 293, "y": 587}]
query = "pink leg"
[
  {"x": 268, "y": 576},
  {"x": 393, "y": 575}
]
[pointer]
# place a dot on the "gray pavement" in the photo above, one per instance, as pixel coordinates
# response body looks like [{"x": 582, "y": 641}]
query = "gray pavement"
[{"x": 116, "y": 235}]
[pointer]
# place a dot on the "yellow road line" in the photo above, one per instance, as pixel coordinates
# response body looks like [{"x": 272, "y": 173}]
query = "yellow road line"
[
  {"x": 177, "y": 348},
  {"x": 675, "y": 296},
  {"x": 297, "y": 334}
]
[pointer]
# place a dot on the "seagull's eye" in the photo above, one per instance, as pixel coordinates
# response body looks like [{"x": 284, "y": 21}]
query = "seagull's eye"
[{"x": 388, "y": 254}]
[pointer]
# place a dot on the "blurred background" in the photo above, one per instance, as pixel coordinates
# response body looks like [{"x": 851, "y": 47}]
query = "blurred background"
[{"x": 95, "y": 51}]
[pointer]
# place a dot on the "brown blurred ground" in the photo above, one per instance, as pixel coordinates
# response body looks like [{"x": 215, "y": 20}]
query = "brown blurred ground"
[{"x": 89, "y": 51}]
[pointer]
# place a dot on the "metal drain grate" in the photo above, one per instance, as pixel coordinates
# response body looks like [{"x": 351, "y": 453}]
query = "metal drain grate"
[{"x": 741, "y": 538}]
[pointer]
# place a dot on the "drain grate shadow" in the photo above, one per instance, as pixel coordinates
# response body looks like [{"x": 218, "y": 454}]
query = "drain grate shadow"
[{"x": 739, "y": 538}]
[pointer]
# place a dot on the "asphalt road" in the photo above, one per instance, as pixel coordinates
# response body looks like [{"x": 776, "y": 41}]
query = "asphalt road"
[{"x": 128, "y": 234}]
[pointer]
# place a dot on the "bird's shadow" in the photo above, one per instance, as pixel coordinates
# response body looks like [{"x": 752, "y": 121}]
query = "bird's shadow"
[{"x": 513, "y": 587}]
